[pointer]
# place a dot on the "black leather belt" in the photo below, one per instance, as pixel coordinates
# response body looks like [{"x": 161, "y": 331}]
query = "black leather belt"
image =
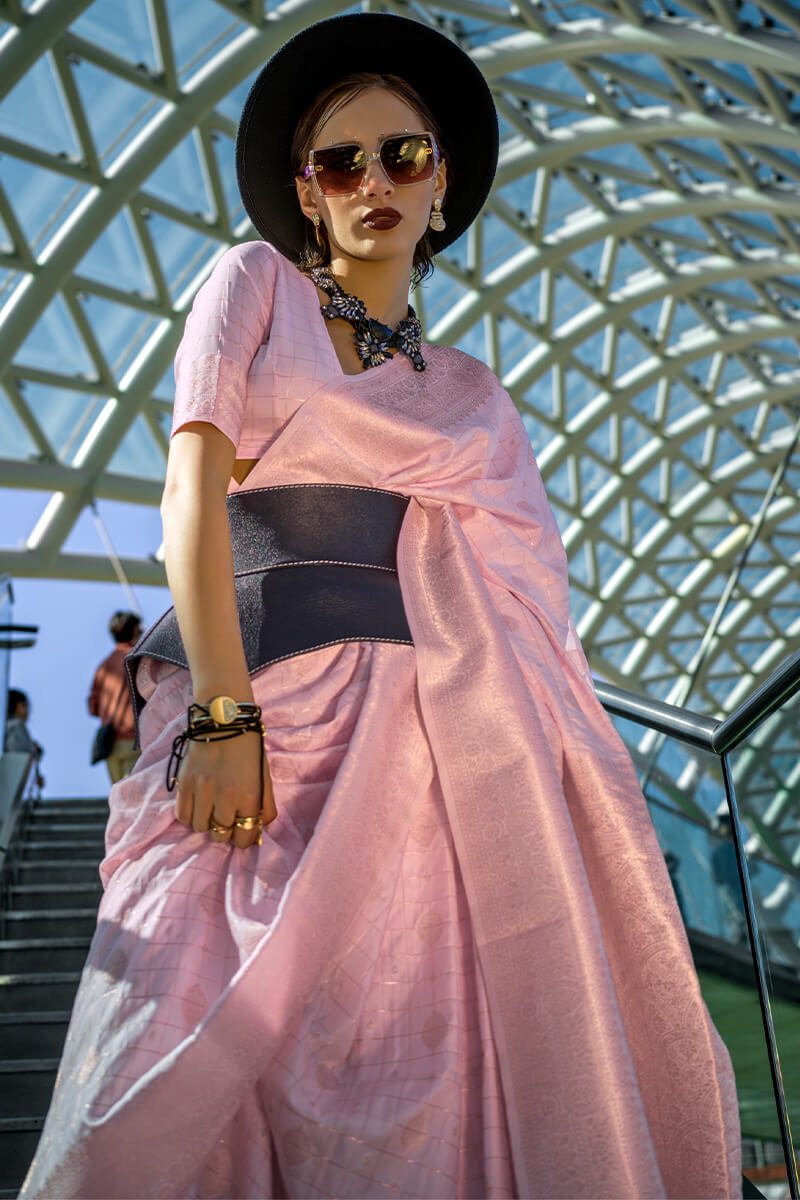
[{"x": 314, "y": 564}]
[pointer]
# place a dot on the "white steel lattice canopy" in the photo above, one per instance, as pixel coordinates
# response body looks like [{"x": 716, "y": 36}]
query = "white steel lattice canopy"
[{"x": 634, "y": 280}]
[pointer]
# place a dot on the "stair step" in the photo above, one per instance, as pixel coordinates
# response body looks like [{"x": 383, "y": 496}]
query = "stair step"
[
  {"x": 38, "y": 991},
  {"x": 19, "y": 1137},
  {"x": 58, "y": 870},
  {"x": 32, "y": 1035},
  {"x": 67, "y": 816},
  {"x": 25, "y": 955},
  {"x": 26, "y": 1086},
  {"x": 55, "y": 895},
  {"x": 50, "y": 850},
  {"x": 47, "y": 830},
  {"x": 67, "y": 803},
  {"x": 49, "y": 923}
]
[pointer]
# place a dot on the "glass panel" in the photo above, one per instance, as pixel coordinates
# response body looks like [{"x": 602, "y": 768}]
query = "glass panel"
[
  {"x": 200, "y": 29},
  {"x": 139, "y": 454},
  {"x": 766, "y": 772},
  {"x": 134, "y": 529},
  {"x": 180, "y": 179},
  {"x": 65, "y": 416},
  {"x": 15, "y": 440},
  {"x": 55, "y": 344},
  {"x": 42, "y": 200},
  {"x": 34, "y": 111},
  {"x": 21, "y": 512},
  {"x": 120, "y": 330},
  {"x": 224, "y": 152},
  {"x": 116, "y": 258},
  {"x": 686, "y": 796},
  {"x": 6, "y": 618},
  {"x": 181, "y": 250},
  {"x": 115, "y": 109},
  {"x": 124, "y": 29}
]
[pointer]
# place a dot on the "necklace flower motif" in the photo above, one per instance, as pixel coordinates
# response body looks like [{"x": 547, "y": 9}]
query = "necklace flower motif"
[{"x": 374, "y": 341}]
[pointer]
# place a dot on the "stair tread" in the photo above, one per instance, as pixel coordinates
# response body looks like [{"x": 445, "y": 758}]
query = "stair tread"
[
  {"x": 20, "y": 1125},
  {"x": 68, "y": 827},
  {"x": 67, "y": 805},
  {"x": 35, "y": 1018},
  {"x": 39, "y": 977},
  {"x": 45, "y": 802},
  {"x": 43, "y": 914},
  {"x": 41, "y": 863},
  {"x": 48, "y": 844},
  {"x": 13, "y": 1066},
  {"x": 56, "y": 889},
  {"x": 43, "y": 943}
]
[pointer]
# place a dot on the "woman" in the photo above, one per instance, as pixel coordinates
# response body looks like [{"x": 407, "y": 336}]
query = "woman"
[
  {"x": 453, "y": 966},
  {"x": 17, "y": 738}
]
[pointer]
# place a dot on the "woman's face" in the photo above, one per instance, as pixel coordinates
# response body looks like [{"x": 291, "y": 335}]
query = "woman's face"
[{"x": 367, "y": 118}]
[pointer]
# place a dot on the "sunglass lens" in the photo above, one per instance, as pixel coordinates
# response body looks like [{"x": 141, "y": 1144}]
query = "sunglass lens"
[
  {"x": 339, "y": 169},
  {"x": 408, "y": 158}
]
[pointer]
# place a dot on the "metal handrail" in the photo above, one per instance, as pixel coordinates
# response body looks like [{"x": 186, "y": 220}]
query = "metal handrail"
[
  {"x": 779, "y": 687},
  {"x": 708, "y": 733},
  {"x": 721, "y": 737},
  {"x": 689, "y": 727},
  {"x": 9, "y": 825}
]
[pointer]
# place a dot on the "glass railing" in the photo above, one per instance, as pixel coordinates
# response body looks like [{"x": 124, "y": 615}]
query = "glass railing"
[
  {"x": 6, "y": 614},
  {"x": 14, "y": 769},
  {"x": 718, "y": 793}
]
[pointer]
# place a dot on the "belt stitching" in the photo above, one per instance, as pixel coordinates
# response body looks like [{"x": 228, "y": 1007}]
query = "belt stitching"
[
  {"x": 313, "y": 562},
  {"x": 352, "y": 487}
]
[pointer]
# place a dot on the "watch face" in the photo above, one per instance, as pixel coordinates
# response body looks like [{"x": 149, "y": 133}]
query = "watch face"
[{"x": 222, "y": 710}]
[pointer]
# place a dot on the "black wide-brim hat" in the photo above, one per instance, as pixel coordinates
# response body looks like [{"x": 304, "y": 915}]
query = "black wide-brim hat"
[{"x": 445, "y": 77}]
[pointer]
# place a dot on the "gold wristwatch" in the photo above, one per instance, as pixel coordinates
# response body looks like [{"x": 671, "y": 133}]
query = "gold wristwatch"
[{"x": 224, "y": 711}]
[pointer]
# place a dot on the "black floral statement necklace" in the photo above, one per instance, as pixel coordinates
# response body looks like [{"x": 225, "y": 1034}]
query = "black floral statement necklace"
[{"x": 375, "y": 342}]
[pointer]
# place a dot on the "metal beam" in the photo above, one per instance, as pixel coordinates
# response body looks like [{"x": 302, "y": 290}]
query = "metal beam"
[
  {"x": 55, "y": 477},
  {"x": 22, "y": 564},
  {"x": 22, "y": 48},
  {"x": 129, "y": 172}
]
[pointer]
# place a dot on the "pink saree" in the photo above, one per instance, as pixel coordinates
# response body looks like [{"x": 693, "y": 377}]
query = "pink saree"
[{"x": 455, "y": 967}]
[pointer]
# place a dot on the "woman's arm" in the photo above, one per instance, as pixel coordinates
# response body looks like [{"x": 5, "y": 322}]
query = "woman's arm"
[{"x": 217, "y": 777}]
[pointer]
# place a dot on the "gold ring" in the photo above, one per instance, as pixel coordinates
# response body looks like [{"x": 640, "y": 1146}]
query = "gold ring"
[
  {"x": 215, "y": 827},
  {"x": 249, "y": 823}
]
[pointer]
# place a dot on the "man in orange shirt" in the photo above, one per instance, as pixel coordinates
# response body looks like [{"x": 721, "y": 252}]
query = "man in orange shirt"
[{"x": 110, "y": 698}]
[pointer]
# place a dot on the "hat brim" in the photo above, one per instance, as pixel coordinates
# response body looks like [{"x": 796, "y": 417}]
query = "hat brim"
[{"x": 445, "y": 77}]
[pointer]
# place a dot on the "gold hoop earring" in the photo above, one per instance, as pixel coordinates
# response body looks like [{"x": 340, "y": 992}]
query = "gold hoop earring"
[{"x": 437, "y": 221}]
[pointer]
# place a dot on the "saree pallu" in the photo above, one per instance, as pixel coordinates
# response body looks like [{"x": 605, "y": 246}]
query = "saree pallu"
[{"x": 455, "y": 967}]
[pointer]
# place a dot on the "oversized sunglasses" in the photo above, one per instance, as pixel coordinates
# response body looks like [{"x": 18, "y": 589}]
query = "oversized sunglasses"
[{"x": 405, "y": 157}]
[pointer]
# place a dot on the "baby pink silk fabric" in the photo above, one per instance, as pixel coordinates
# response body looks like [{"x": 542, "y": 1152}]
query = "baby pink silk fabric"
[{"x": 455, "y": 967}]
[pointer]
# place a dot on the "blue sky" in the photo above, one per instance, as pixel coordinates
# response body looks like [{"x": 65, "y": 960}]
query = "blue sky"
[{"x": 57, "y": 673}]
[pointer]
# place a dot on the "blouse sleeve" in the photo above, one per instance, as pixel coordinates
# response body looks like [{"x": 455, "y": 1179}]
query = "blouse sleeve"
[{"x": 230, "y": 319}]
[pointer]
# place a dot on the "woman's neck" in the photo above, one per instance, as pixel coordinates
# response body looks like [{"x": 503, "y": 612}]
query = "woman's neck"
[{"x": 382, "y": 286}]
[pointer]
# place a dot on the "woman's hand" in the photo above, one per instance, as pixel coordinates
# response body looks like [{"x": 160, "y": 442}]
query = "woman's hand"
[{"x": 220, "y": 781}]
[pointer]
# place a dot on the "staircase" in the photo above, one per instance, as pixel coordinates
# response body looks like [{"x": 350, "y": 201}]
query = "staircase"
[{"x": 47, "y": 919}]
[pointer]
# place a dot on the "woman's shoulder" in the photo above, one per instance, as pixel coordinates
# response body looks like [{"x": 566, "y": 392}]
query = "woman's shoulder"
[
  {"x": 466, "y": 389},
  {"x": 458, "y": 362},
  {"x": 259, "y": 258},
  {"x": 465, "y": 373}
]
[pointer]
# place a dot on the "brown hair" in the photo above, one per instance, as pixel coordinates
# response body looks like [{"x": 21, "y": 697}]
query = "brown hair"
[{"x": 321, "y": 110}]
